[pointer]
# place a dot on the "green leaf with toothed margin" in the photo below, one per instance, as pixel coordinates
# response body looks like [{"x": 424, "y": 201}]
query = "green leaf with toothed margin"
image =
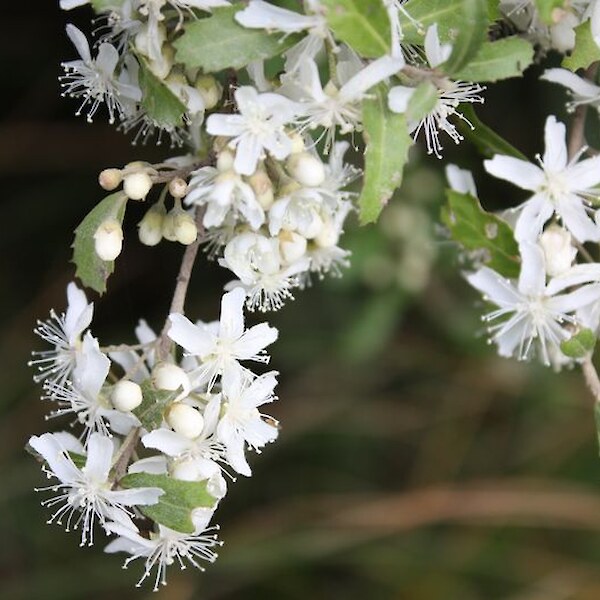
[
  {"x": 154, "y": 402},
  {"x": 91, "y": 269}
]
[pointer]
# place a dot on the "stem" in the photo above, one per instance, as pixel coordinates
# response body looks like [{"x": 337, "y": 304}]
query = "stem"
[
  {"x": 124, "y": 455},
  {"x": 181, "y": 287}
]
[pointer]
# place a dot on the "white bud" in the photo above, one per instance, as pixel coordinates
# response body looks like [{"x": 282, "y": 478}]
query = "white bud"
[
  {"x": 185, "y": 420},
  {"x": 126, "y": 395},
  {"x": 292, "y": 246},
  {"x": 225, "y": 160},
  {"x": 167, "y": 376},
  {"x": 137, "y": 185},
  {"x": 110, "y": 179},
  {"x": 210, "y": 89},
  {"x": 312, "y": 227},
  {"x": 108, "y": 240},
  {"x": 262, "y": 186},
  {"x": 168, "y": 227},
  {"x": 151, "y": 225},
  {"x": 306, "y": 168},
  {"x": 177, "y": 187},
  {"x": 186, "y": 470},
  {"x": 328, "y": 236},
  {"x": 161, "y": 66},
  {"x": 297, "y": 142},
  {"x": 185, "y": 228},
  {"x": 558, "y": 250}
]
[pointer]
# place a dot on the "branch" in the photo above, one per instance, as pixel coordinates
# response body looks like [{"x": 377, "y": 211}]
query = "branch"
[{"x": 124, "y": 454}]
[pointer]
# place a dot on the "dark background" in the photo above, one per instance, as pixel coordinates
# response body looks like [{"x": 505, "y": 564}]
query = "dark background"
[{"x": 412, "y": 463}]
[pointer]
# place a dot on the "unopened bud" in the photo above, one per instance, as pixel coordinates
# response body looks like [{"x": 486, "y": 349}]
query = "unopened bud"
[
  {"x": 185, "y": 228},
  {"x": 559, "y": 252},
  {"x": 108, "y": 240},
  {"x": 126, "y": 395},
  {"x": 110, "y": 179},
  {"x": 311, "y": 228},
  {"x": 210, "y": 89},
  {"x": 328, "y": 236},
  {"x": 262, "y": 185},
  {"x": 178, "y": 187},
  {"x": 161, "y": 66},
  {"x": 151, "y": 226},
  {"x": 185, "y": 470},
  {"x": 306, "y": 168},
  {"x": 137, "y": 185},
  {"x": 185, "y": 420},
  {"x": 297, "y": 142},
  {"x": 167, "y": 376},
  {"x": 292, "y": 246},
  {"x": 225, "y": 160}
]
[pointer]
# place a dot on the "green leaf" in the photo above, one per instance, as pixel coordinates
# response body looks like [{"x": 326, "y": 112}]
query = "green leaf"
[
  {"x": 586, "y": 50},
  {"x": 388, "y": 141},
  {"x": 579, "y": 345},
  {"x": 219, "y": 42},
  {"x": 546, "y": 7},
  {"x": 503, "y": 59},
  {"x": 493, "y": 10},
  {"x": 362, "y": 24},
  {"x": 154, "y": 402},
  {"x": 101, "y": 6},
  {"x": 485, "y": 139},
  {"x": 159, "y": 102},
  {"x": 470, "y": 36},
  {"x": 79, "y": 460},
  {"x": 174, "y": 508},
  {"x": 475, "y": 229},
  {"x": 91, "y": 269},
  {"x": 422, "y": 101},
  {"x": 446, "y": 13}
]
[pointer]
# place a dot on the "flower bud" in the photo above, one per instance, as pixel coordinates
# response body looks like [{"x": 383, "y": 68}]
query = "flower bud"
[
  {"x": 161, "y": 66},
  {"x": 137, "y": 185},
  {"x": 151, "y": 226},
  {"x": 328, "y": 236},
  {"x": 185, "y": 228},
  {"x": 225, "y": 160},
  {"x": 292, "y": 246},
  {"x": 210, "y": 89},
  {"x": 306, "y": 168},
  {"x": 262, "y": 185},
  {"x": 297, "y": 142},
  {"x": 177, "y": 187},
  {"x": 167, "y": 376},
  {"x": 126, "y": 395},
  {"x": 558, "y": 250},
  {"x": 108, "y": 240},
  {"x": 185, "y": 470},
  {"x": 311, "y": 228},
  {"x": 185, "y": 420},
  {"x": 110, "y": 179}
]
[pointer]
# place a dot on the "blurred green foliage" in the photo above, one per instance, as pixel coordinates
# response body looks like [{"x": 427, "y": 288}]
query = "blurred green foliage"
[{"x": 412, "y": 463}]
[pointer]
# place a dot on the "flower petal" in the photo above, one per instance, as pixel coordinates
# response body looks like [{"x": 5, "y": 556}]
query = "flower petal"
[{"x": 520, "y": 172}]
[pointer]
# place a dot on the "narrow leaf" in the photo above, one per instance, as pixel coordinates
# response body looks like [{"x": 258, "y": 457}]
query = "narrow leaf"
[
  {"x": 91, "y": 269},
  {"x": 475, "y": 229},
  {"x": 219, "y": 42},
  {"x": 175, "y": 506},
  {"x": 388, "y": 141},
  {"x": 362, "y": 24}
]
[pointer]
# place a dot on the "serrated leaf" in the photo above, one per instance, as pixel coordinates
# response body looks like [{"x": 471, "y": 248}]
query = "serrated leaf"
[
  {"x": 174, "y": 508},
  {"x": 470, "y": 36},
  {"x": 485, "y": 139},
  {"x": 422, "y": 101},
  {"x": 586, "y": 50},
  {"x": 579, "y": 345},
  {"x": 387, "y": 144},
  {"x": 475, "y": 229},
  {"x": 91, "y": 269},
  {"x": 498, "y": 60},
  {"x": 159, "y": 102},
  {"x": 446, "y": 13},
  {"x": 219, "y": 42},
  {"x": 363, "y": 24},
  {"x": 154, "y": 402},
  {"x": 546, "y": 7}
]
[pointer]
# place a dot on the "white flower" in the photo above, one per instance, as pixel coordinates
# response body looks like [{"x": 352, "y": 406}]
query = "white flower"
[
  {"x": 223, "y": 194},
  {"x": 558, "y": 186},
  {"x": 262, "y": 15},
  {"x": 83, "y": 396},
  {"x": 94, "y": 79},
  {"x": 223, "y": 350},
  {"x": 242, "y": 423},
  {"x": 259, "y": 127},
  {"x": 86, "y": 494},
  {"x": 64, "y": 333},
  {"x": 532, "y": 312},
  {"x": 257, "y": 262},
  {"x": 165, "y": 547},
  {"x": 450, "y": 95},
  {"x": 461, "y": 180},
  {"x": 332, "y": 107},
  {"x": 394, "y": 9},
  {"x": 582, "y": 90}
]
